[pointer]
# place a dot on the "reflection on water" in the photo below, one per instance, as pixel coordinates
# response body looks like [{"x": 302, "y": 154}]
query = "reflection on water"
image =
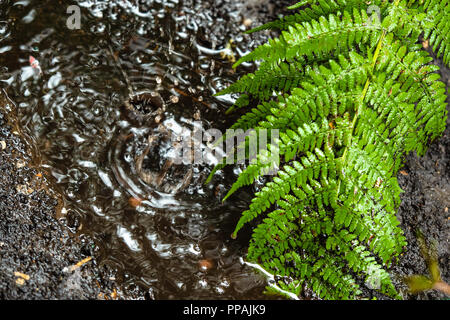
[{"x": 174, "y": 244}]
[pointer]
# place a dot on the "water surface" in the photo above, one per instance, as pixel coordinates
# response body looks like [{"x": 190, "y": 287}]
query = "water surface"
[{"x": 172, "y": 245}]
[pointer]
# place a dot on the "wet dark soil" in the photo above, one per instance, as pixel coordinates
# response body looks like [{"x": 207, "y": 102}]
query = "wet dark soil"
[
  {"x": 36, "y": 250},
  {"x": 70, "y": 156}
]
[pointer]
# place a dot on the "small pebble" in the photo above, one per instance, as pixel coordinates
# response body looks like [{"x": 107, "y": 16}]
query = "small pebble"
[
  {"x": 3, "y": 144},
  {"x": 174, "y": 99},
  {"x": 20, "y": 164},
  {"x": 205, "y": 265},
  {"x": 247, "y": 22}
]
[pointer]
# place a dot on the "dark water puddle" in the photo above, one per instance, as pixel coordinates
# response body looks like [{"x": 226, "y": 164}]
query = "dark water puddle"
[{"x": 173, "y": 244}]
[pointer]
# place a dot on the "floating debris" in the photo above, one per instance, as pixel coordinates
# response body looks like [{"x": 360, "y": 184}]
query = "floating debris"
[
  {"x": 205, "y": 264},
  {"x": 135, "y": 202},
  {"x": 77, "y": 265},
  {"x": 35, "y": 64}
]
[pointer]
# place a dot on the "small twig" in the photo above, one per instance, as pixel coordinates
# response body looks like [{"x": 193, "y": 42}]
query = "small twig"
[
  {"x": 192, "y": 97},
  {"x": 22, "y": 275},
  {"x": 442, "y": 286},
  {"x": 77, "y": 265}
]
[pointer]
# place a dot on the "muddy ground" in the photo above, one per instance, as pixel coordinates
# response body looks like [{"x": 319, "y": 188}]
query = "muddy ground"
[{"x": 39, "y": 256}]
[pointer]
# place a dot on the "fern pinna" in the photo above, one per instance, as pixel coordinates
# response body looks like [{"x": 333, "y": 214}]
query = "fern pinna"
[{"x": 351, "y": 93}]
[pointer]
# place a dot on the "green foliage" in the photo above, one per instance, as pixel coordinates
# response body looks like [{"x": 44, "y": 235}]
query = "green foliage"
[
  {"x": 418, "y": 283},
  {"x": 351, "y": 94}
]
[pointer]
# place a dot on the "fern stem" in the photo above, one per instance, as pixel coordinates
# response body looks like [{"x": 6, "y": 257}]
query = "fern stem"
[{"x": 363, "y": 95}]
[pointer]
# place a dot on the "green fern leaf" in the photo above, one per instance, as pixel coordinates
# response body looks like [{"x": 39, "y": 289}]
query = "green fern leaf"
[{"x": 350, "y": 96}]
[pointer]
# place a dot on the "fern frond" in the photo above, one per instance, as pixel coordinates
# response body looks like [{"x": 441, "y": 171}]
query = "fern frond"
[
  {"x": 318, "y": 38},
  {"x": 437, "y": 27},
  {"x": 350, "y": 97},
  {"x": 267, "y": 80},
  {"x": 300, "y": 178},
  {"x": 314, "y": 9}
]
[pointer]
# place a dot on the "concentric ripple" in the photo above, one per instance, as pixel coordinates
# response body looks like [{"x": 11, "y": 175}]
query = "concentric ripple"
[{"x": 105, "y": 115}]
